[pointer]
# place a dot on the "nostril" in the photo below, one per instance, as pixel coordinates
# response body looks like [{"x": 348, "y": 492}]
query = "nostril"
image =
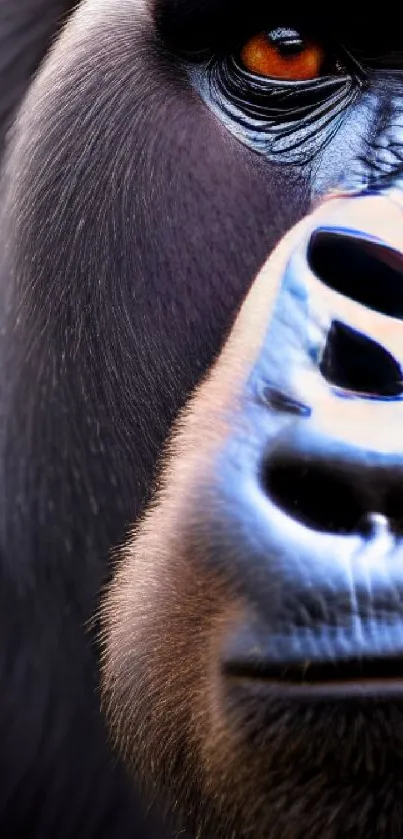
[
  {"x": 364, "y": 270},
  {"x": 315, "y": 495},
  {"x": 355, "y": 362}
]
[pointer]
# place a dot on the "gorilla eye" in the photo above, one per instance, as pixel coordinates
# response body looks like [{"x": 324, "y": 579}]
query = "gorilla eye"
[
  {"x": 282, "y": 91},
  {"x": 283, "y": 54}
]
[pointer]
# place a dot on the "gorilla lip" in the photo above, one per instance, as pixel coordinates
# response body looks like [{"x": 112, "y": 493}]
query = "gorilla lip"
[
  {"x": 371, "y": 688},
  {"x": 351, "y": 678},
  {"x": 362, "y": 658}
]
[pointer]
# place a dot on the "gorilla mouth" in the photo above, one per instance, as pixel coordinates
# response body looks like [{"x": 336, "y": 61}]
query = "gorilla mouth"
[{"x": 372, "y": 676}]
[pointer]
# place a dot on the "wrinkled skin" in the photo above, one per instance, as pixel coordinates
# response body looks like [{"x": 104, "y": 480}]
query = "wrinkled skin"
[{"x": 135, "y": 213}]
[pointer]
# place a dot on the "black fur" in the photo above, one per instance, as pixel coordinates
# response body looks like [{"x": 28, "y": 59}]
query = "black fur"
[
  {"x": 114, "y": 207},
  {"x": 27, "y": 28}
]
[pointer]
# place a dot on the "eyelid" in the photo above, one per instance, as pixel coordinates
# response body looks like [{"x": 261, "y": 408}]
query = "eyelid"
[
  {"x": 348, "y": 66},
  {"x": 262, "y": 82}
]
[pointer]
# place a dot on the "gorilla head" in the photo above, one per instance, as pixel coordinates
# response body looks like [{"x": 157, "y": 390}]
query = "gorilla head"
[{"x": 160, "y": 153}]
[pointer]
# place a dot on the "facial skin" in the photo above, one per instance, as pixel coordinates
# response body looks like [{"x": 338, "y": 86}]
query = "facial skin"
[{"x": 136, "y": 208}]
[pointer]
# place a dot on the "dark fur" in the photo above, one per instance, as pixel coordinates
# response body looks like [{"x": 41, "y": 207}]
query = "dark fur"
[
  {"x": 131, "y": 226},
  {"x": 97, "y": 273}
]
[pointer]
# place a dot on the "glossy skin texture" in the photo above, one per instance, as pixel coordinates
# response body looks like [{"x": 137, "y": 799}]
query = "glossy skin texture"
[{"x": 135, "y": 212}]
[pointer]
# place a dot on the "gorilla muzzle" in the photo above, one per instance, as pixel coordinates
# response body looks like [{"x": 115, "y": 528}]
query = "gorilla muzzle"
[{"x": 309, "y": 483}]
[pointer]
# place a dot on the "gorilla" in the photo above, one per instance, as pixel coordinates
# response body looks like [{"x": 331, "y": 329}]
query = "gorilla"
[{"x": 153, "y": 155}]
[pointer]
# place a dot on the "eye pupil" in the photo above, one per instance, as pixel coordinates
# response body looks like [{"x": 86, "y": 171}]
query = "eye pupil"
[{"x": 286, "y": 41}]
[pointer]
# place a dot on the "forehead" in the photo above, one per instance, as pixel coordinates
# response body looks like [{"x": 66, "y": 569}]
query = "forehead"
[{"x": 350, "y": 22}]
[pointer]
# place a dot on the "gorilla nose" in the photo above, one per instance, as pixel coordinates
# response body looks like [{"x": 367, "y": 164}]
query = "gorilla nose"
[
  {"x": 326, "y": 486},
  {"x": 337, "y": 492},
  {"x": 359, "y": 267},
  {"x": 371, "y": 273},
  {"x": 311, "y": 474}
]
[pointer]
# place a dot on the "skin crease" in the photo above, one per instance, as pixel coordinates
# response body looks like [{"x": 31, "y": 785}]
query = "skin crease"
[{"x": 132, "y": 224}]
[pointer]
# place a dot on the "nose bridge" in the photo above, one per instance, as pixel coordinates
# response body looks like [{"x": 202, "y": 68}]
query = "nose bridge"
[
  {"x": 343, "y": 288},
  {"x": 372, "y": 142},
  {"x": 339, "y": 322}
]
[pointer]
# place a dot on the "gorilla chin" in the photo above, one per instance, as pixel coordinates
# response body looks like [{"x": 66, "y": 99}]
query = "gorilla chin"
[{"x": 253, "y": 643}]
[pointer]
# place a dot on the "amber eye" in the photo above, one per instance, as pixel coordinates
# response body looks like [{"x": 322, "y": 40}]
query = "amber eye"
[{"x": 283, "y": 54}]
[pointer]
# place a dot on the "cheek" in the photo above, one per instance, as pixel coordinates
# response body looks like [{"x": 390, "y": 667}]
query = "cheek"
[
  {"x": 157, "y": 672},
  {"x": 217, "y": 218}
]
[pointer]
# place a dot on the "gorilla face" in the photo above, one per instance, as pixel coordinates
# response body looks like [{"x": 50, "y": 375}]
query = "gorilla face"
[
  {"x": 253, "y": 632},
  {"x": 161, "y": 152}
]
